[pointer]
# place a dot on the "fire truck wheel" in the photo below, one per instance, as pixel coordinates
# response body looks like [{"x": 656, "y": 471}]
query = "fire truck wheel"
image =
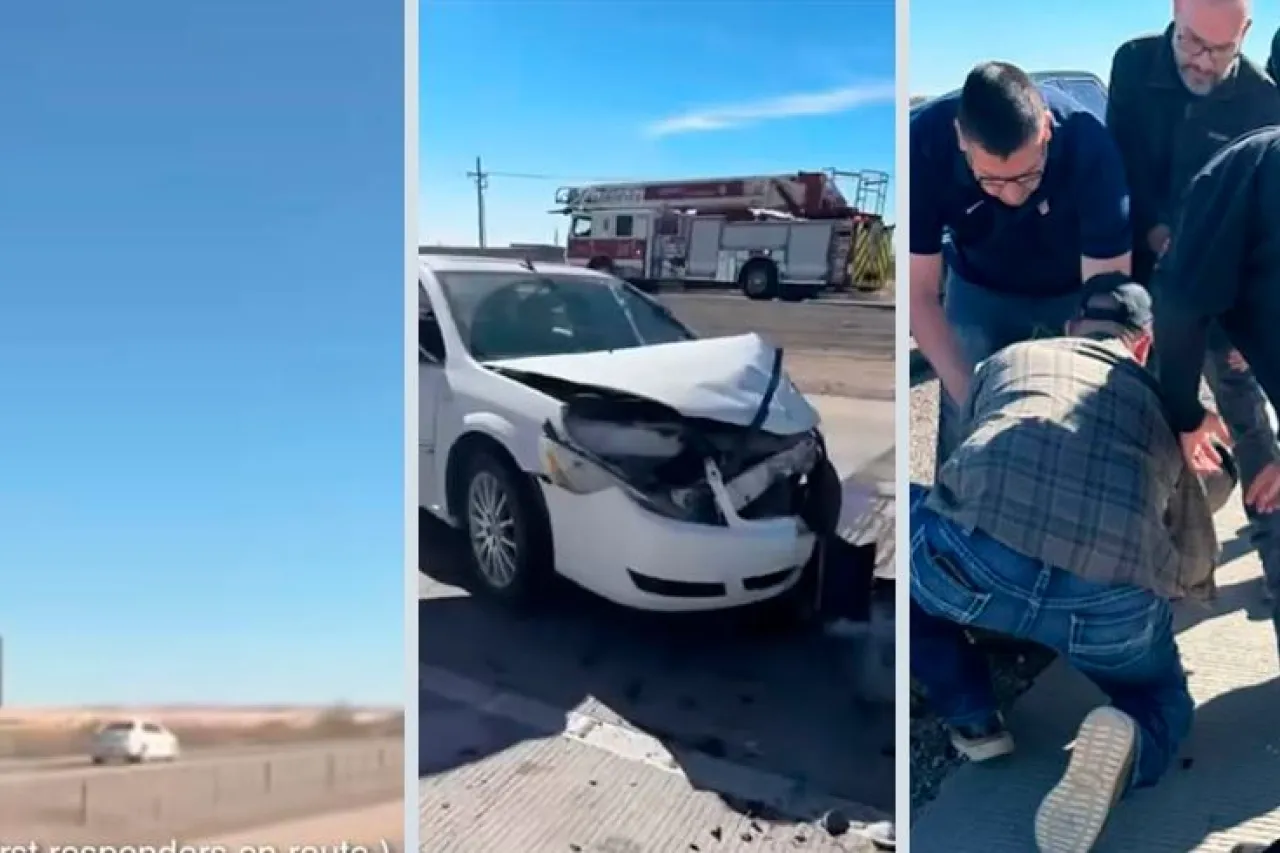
[
  {"x": 759, "y": 279},
  {"x": 603, "y": 265}
]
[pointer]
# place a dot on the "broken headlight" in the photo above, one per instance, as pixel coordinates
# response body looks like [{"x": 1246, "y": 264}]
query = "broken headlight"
[{"x": 570, "y": 470}]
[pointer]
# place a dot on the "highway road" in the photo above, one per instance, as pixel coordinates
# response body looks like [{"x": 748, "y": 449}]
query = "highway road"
[
  {"x": 374, "y": 829},
  {"x": 194, "y": 755},
  {"x": 211, "y": 794},
  {"x": 860, "y": 330}
]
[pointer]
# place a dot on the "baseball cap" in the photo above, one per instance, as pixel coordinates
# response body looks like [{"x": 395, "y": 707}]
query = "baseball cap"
[{"x": 1113, "y": 297}]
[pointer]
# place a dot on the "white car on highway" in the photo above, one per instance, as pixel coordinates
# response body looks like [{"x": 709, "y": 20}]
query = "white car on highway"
[
  {"x": 134, "y": 741},
  {"x": 569, "y": 423}
]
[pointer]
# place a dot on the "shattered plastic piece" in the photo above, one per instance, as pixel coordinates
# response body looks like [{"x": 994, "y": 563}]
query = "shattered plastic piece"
[{"x": 882, "y": 835}]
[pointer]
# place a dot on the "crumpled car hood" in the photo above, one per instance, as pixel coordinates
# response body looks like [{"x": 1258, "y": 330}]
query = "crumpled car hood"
[{"x": 719, "y": 379}]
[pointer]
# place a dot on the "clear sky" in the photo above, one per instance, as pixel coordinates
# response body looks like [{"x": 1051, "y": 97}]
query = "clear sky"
[
  {"x": 641, "y": 90},
  {"x": 201, "y": 351},
  {"x": 948, "y": 38}
]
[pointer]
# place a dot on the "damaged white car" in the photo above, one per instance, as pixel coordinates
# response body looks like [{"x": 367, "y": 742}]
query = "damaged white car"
[{"x": 571, "y": 424}]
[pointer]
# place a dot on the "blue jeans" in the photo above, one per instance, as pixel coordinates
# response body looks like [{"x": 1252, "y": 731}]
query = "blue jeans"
[
  {"x": 986, "y": 322},
  {"x": 1243, "y": 407},
  {"x": 1121, "y": 637}
]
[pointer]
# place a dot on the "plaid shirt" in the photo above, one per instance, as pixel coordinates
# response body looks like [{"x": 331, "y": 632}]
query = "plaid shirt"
[{"x": 1068, "y": 459}]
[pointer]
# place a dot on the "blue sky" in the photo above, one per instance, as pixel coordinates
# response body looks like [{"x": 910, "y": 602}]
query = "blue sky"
[
  {"x": 949, "y": 38},
  {"x": 592, "y": 90},
  {"x": 201, "y": 352}
]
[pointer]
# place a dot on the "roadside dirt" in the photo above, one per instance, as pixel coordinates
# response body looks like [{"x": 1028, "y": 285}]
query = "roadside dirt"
[{"x": 57, "y": 732}]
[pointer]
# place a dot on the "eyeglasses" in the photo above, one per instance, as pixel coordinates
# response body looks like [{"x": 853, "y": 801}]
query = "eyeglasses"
[
  {"x": 1024, "y": 180},
  {"x": 1194, "y": 47}
]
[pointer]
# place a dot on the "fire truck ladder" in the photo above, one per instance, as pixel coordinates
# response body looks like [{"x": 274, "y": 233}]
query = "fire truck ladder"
[{"x": 871, "y": 261}]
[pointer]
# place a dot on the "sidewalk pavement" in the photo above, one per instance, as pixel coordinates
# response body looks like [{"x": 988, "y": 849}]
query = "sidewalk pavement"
[
  {"x": 600, "y": 787},
  {"x": 1224, "y": 789}
]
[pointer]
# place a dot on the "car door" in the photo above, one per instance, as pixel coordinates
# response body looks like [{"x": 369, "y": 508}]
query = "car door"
[
  {"x": 431, "y": 386},
  {"x": 153, "y": 741}
]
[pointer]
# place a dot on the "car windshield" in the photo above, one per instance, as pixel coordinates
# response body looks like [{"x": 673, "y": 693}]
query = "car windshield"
[
  {"x": 120, "y": 726},
  {"x": 518, "y": 314}
]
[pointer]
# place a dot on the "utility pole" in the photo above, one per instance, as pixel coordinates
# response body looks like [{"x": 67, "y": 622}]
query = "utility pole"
[{"x": 481, "y": 177}]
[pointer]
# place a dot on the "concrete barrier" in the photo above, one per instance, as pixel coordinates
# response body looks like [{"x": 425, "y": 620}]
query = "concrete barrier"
[{"x": 155, "y": 803}]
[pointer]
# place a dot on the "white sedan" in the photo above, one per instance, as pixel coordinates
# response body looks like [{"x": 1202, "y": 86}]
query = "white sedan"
[
  {"x": 569, "y": 423},
  {"x": 134, "y": 741}
]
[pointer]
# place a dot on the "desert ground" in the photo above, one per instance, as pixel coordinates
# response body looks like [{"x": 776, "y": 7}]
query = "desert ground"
[{"x": 48, "y": 732}]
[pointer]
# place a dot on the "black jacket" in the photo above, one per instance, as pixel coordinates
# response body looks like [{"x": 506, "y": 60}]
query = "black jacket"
[
  {"x": 1223, "y": 265},
  {"x": 1166, "y": 134},
  {"x": 1273, "y": 68}
]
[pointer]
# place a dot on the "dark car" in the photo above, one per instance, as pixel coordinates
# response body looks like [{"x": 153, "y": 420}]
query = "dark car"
[{"x": 1086, "y": 89}]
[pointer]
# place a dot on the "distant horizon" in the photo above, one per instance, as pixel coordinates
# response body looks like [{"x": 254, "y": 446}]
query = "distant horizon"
[{"x": 13, "y": 709}]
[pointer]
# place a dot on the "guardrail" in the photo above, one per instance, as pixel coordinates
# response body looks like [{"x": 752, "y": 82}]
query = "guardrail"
[{"x": 165, "y": 801}]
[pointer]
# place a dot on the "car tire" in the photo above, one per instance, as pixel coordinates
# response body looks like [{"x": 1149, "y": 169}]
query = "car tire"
[
  {"x": 98, "y": 760},
  {"x": 759, "y": 280},
  {"x": 508, "y": 535}
]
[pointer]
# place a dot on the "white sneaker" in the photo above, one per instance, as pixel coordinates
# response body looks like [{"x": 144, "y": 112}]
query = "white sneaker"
[
  {"x": 982, "y": 743},
  {"x": 1072, "y": 816}
]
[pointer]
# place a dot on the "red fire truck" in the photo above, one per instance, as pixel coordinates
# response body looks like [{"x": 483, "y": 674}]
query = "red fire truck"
[{"x": 786, "y": 236}]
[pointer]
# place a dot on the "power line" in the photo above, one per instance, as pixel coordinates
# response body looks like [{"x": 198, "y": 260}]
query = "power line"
[
  {"x": 481, "y": 179},
  {"x": 567, "y": 179}
]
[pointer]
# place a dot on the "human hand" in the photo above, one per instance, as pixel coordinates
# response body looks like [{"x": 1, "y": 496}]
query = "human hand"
[
  {"x": 1198, "y": 445},
  {"x": 1263, "y": 493}
]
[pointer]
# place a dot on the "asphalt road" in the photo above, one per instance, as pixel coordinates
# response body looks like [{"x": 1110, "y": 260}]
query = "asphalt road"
[
  {"x": 724, "y": 686},
  {"x": 861, "y": 330},
  {"x": 196, "y": 755},
  {"x": 155, "y": 802}
]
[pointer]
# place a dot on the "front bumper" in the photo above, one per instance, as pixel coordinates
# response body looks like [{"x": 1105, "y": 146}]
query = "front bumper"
[{"x": 614, "y": 548}]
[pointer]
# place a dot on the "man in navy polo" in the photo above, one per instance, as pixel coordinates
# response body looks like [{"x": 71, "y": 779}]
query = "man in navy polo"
[{"x": 1030, "y": 190}]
